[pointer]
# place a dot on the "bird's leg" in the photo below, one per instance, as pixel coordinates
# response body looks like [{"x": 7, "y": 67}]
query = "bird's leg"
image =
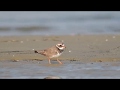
[
  {"x": 59, "y": 61},
  {"x": 49, "y": 60}
]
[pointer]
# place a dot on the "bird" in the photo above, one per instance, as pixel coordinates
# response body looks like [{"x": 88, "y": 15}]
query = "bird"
[{"x": 52, "y": 52}]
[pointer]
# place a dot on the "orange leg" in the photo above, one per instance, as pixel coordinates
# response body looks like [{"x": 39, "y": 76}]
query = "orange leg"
[
  {"x": 59, "y": 61},
  {"x": 49, "y": 60}
]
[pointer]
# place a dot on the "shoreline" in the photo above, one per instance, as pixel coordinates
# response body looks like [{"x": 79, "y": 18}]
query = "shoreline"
[{"x": 84, "y": 48}]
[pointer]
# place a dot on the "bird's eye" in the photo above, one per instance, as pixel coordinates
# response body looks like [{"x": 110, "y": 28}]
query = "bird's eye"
[{"x": 60, "y": 45}]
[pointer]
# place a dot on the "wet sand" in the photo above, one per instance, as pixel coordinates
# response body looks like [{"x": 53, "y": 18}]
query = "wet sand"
[
  {"x": 17, "y": 51},
  {"x": 85, "y": 48}
]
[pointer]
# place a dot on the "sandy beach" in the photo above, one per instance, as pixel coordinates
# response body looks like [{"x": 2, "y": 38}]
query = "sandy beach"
[
  {"x": 85, "y": 48},
  {"x": 80, "y": 48}
]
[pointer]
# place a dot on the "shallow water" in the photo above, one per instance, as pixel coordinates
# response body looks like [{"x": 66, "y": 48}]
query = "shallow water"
[
  {"x": 59, "y": 23},
  {"x": 69, "y": 70}
]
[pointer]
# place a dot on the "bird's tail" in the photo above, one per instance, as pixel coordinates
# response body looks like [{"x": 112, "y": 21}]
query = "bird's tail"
[
  {"x": 40, "y": 52},
  {"x": 35, "y": 51}
]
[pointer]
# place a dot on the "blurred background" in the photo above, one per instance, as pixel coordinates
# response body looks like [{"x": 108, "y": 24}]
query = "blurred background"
[{"x": 59, "y": 22}]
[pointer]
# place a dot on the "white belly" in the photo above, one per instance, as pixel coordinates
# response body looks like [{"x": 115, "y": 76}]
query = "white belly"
[{"x": 57, "y": 55}]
